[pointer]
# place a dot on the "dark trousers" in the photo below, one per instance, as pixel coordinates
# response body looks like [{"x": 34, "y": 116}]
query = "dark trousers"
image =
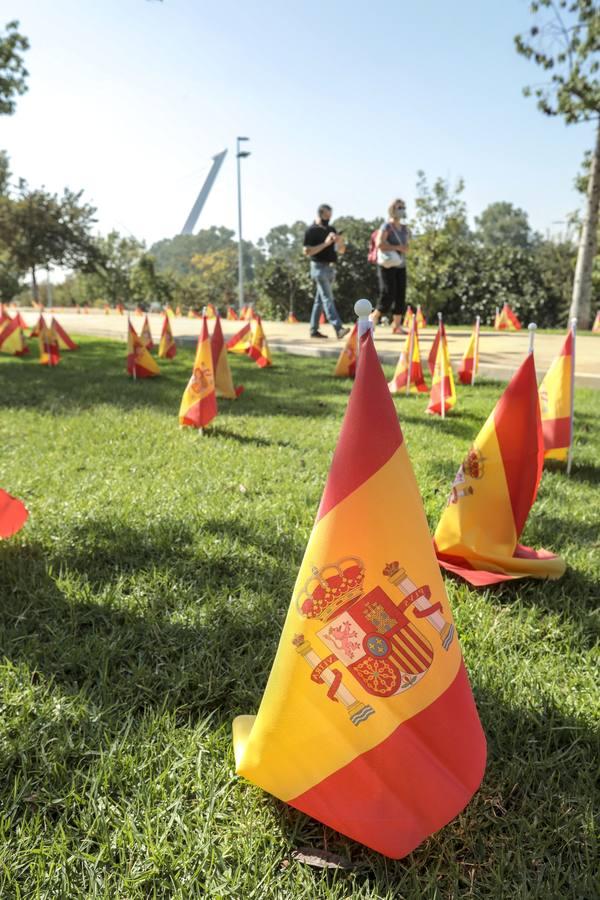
[{"x": 392, "y": 290}]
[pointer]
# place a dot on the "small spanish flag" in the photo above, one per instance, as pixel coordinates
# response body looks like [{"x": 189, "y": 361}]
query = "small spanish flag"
[
  {"x": 49, "y": 348},
  {"x": 140, "y": 363},
  {"x": 211, "y": 311},
  {"x": 167, "y": 347},
  {"x": 199, "y": 403},
  {"x": 139, "y": 311},
  {"x": 13, "y": 515},
  {"x": 470, "y": 361},
  {"x": 291, "y": 319},
  {"x": 408, "y": 317},
  {"x": 345, "y": 367},
  {"x": 106, "y": 309},
  {"x": 367, "y": 722},
  {"x": 322, "y": 319},
  {"x": 596, "y": 325},
  {"x": 146, "y": 334},
  {"x": 556, "y": 403},
  {"x": 232, "y": 316},
  {"x": 177, "y": 312},
  {"x": 240, "y": 341},
  {"x": 259, "y": 347},
  {"x": 443, "y": 392},
  {"x": 421, "y": 321},
  {"x": 223, "y": 378},
  {"x": 64, "y": 341},
  {"x": 12, "y": 339},
  {"x": 507, "y": 320},
  {"x": 495, "y": 487},
  {"x": 405, "y": 378}
]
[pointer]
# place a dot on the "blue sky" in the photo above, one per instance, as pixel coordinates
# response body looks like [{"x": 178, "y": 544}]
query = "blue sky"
[{"x": 343, "y": 102}]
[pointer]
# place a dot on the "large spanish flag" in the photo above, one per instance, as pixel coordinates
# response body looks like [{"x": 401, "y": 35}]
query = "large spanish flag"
[
  {"x": 140, "y": 363},
  {"x": 13, "y": 514},
  {"x": 49, "y": 348},
  {"x": 556, "y": 402},
  {"x": 12, "y": 339},
  {"x": 223, "y": 379},
  {"x": 167, "y": 347},
  {"x": 478, "y": 534},
  {"x": 368, "y": 722},
  {"x": 507, "y": 320},
  {"x": 443, "y": 392},
  {"x": 199, "y": 403},
  {"x": 65, "y": 342},
  {"x": 410, "y": 351},
  {"x": 345, "y": 366},
  {"x": 259, "y": 347},
  {"x": 146, "y": 334}
]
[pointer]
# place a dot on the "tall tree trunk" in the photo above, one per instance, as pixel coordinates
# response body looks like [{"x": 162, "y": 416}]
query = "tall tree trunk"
[
  {"x": 34, "y": 285},
  {"x": 582, "y": 284}
]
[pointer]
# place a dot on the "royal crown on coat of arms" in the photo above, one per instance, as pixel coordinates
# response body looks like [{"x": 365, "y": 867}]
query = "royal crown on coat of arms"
[{"x": 332, "y": 587}]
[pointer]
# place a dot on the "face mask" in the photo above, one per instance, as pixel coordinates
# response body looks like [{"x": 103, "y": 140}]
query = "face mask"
[{"x": 400, "y": 212}]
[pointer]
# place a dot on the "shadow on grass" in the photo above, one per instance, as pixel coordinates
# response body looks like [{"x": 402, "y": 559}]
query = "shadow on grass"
[{"x": 96, "y": 375}]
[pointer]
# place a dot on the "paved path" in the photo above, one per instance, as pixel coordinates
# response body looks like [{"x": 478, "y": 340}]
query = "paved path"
[{"x": 500, "y": 353}]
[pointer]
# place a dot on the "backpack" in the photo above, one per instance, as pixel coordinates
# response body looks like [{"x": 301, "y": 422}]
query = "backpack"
[{"x": 372, "y": 257}]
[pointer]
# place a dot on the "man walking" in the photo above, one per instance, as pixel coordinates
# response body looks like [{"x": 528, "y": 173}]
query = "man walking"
[{"x": 320, "y": 243}]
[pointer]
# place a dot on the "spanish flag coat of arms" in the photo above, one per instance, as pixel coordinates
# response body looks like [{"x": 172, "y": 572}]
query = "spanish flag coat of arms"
[{"x": 368, "y": 722}]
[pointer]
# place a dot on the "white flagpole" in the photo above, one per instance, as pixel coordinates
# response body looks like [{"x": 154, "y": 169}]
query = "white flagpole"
[
  {"x": 411, "y": 347},
  {"x": 531, "y": 327},
  {"x": 570, "y": 454},
  {"x": 476, "y": 355},
  {"x": 442, "y": 361},
  {"x": 363, "y": 309}
]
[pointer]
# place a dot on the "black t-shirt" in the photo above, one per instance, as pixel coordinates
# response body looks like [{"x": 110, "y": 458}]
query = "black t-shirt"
[{"x": 315, "y": 235}]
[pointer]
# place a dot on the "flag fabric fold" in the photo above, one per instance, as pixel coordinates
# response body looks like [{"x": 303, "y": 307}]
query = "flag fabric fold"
[
  {"x": 345, "y": 366},
  {"x": 367, "y": 722},
  {"x": 167, "y": 347},
  {"x": 410, "y": 351},
  {"x": 140, "y": 363},
  {"x": 477, "y": 536},
  {"x": 199, "y": 403},
  {"x": 259, "y": 347},
  {"x": 240, "y": 341},
  {"x": 13, "y": 514},
  {"x": 556, "y": 403},
  {"x": 224, "y": 386},
  {"x": 65, "y": 342},
  {"x": 443, "y": 393}
]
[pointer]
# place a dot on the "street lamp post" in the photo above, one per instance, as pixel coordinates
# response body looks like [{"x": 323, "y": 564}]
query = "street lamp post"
[{"x": 240, "y": 154}]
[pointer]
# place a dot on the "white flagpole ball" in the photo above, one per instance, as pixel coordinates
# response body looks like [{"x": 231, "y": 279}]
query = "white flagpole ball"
[{"x": 532, "y": 328}]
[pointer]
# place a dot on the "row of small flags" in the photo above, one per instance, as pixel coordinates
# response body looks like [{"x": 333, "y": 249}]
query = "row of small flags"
[
  {"x": 51, "y": 336},
  {"x": 211, "y": 375},
  {"x": 368, "y": 722},
  {"x": 556, "y": 392}
]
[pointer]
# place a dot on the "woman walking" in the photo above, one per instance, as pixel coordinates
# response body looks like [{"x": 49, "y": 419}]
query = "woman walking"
[{"x": 392, "y": 247}]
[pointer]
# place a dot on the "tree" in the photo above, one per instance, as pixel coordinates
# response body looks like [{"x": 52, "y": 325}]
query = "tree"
[
  {"x": 147, "y": 285},
  {"x": 12, "y": 71},
  {"x": 567, "y": 42},
  {"x": 40, "y": 229},
  {"x": 503, "y": 223}
]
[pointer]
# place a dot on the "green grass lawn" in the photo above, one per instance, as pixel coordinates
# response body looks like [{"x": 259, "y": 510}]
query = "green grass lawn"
[{"x": 140, "y": 611}]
